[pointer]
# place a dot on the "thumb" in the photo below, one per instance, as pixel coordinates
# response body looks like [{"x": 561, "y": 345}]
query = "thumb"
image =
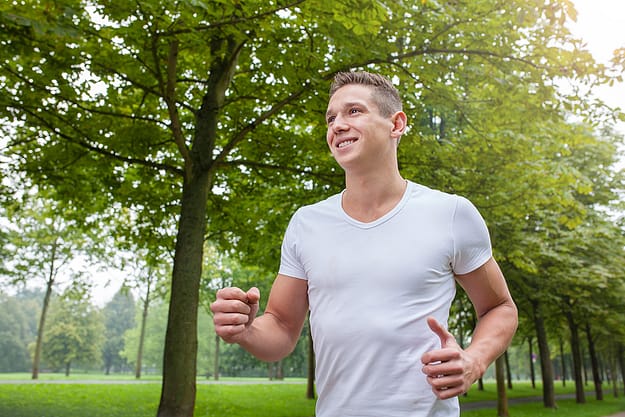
[
  {"x": 253, "y": 295},
  {"x": 447, "y": 339},
  {"x": 253, "y": 298}
]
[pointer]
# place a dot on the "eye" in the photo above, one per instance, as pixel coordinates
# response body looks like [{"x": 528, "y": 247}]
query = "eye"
[
  {"x": 354, "y": 110},
  {"x": 330, "y": 119}
]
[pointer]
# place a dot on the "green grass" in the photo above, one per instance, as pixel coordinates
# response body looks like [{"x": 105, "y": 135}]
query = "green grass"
[
  {"x": 519, "y": 390},
  {"x": 139, "y": 400},
  {"x": 95, "y": 399},
  {"x": 566, "y": 408}
]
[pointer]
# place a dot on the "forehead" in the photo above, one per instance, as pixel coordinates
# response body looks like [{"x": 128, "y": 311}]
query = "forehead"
[{"x": 351, "y": 94}]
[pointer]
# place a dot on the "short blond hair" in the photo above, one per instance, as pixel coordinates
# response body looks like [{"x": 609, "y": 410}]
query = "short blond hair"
[{"x": 384, "y": 94}]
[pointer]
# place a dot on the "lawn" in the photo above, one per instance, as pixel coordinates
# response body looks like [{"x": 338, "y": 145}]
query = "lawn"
[{"x": 103, "y": 397}]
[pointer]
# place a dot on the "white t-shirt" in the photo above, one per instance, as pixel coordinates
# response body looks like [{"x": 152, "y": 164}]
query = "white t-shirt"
[{"x": 371, "y": 287}]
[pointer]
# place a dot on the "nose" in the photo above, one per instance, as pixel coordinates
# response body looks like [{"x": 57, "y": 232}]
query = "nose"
[{"x": 339, "y": 124}]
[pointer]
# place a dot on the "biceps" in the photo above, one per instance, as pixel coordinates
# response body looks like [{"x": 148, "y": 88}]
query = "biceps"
[
  {"x": 288, "y": 303},
  {"x": 486, "y": 287}
]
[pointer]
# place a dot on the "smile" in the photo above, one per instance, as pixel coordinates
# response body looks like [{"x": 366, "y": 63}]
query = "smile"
[{"x": 346, "y": 143}]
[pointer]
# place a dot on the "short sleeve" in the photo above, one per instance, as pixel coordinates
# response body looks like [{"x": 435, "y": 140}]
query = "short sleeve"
[
  {"x": 472, "y": 246},
  {"x": 290, "y": 263}
]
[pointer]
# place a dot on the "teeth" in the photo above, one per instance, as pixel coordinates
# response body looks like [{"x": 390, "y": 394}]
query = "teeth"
[{"x": 347, "y": 142}]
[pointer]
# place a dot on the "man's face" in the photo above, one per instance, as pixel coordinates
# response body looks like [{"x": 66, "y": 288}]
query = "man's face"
[{"x": 357, "y": 133}]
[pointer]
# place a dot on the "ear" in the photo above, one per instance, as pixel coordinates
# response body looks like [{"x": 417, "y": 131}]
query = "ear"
[{"x": 400, "y": 123}]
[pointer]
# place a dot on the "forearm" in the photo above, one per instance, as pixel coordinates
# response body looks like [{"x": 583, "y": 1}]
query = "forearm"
[
  {"x": 269, "y": 340},
  {"x": 492, "y": 335}
]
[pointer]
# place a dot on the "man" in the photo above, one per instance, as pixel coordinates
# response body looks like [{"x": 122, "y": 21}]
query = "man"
[{"x": 377, "y": 265}]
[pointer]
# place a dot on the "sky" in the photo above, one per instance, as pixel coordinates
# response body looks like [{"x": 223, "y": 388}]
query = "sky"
[{"x": 601, "y": 23}]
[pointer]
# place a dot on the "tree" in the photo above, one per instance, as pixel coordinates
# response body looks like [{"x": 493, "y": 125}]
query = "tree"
[
  {"x": 119, "y": 316},
  {"x": 147, "y": 278},
  {"x": 211, "y": 107},
  {"x": 43, "y": 245},
  {"x": 76, "y": 332},
  {"x": 17, "y": 329},
  {"x": 152, "y": 343},
  {"x": 502, "y": 401}
]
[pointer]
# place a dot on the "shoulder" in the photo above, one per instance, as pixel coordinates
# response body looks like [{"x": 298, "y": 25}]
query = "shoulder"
[
  {"x": 329, "y": 206},
  {"x": 435, "y": 198}
]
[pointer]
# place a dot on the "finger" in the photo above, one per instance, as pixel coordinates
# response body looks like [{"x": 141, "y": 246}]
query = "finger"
[
  {"x": 253, "y": 298},
  {"x": 253, "y": 295},
  {"x": 446, "y": 338},
  {"x": 235, "y": 307},
  {"x": 229, "y": 333},
  {"x": 445, "y": 382},
  {"x": 448, "y": 392},
  {"x": 231, "y": 293},
  {"x": 227, "y": 306},
  {"x": 446, "y": 365},
  {"x": 439, "y": 330}
]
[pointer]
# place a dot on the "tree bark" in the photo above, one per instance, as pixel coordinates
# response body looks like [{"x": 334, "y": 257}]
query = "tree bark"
[
  {"x": 614, "y": 370},
  {"x": 621, "y": 361},
  {"x": 580, "y": 396},
  {"x": 594, "y": 363},
  {"x": 508, "y": 371},
  {"x": 216, "y": 364},
  {"x": 310, "y": 385},
  {"x": 502, "y": 397},
  {"x": 280, "y": 370},
  {"x": 144, "y": 319},
  {"x": 180, "y": 356},
  {"x": 546, "y": 366},
  {"x": 44, "y": 312},
  {"x": 531, "y": 360},
  {"x": 563, "y": 363}
]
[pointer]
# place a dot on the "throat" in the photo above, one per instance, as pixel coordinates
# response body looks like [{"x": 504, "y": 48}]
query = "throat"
[{"x": 367, "y": 207}]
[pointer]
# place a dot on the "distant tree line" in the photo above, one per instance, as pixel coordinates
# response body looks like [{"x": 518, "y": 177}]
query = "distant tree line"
[{"x": 81, "y": 336}]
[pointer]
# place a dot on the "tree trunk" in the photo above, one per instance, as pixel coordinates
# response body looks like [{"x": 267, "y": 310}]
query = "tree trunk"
[
  {"x": 546, "y": 366},
  {"x": 584, "y": 367},
  {"x": 594, "y": 363},
  {"x": 144, "y": 319},
  {"x": 531, "y": 360},
  {"x": 508, "y": 372},
  {"x": 502, "y": 397},
  {"x": 580, "y": 396},
  {"x": 614, "y": 370},
  {"x": 562, "y": 363},
  {"x": 280, "y": 370},
  {"x": 44, "y": 311},
  {"x": 67, "y": 368},
  {"x": 621, "y": 362},
  {"x": 310, "y": 385},
  {"x": 216, "y": 364},
  {"x": 180, "y": 355},
  {"x": 42, "y": 324}
]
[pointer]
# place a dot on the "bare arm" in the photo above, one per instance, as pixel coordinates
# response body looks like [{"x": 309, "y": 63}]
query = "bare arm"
[
  {"x": 497, "y": 314},
  {"x": 271, "y": 336},
  {"x": 451, "y": 370}
]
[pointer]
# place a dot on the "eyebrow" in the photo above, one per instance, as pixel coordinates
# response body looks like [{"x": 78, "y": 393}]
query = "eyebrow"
[{"x": 349, "y": 104}]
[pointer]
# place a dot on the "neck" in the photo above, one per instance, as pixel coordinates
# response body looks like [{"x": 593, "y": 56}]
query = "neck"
[{"x": 369, "y": 198}]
